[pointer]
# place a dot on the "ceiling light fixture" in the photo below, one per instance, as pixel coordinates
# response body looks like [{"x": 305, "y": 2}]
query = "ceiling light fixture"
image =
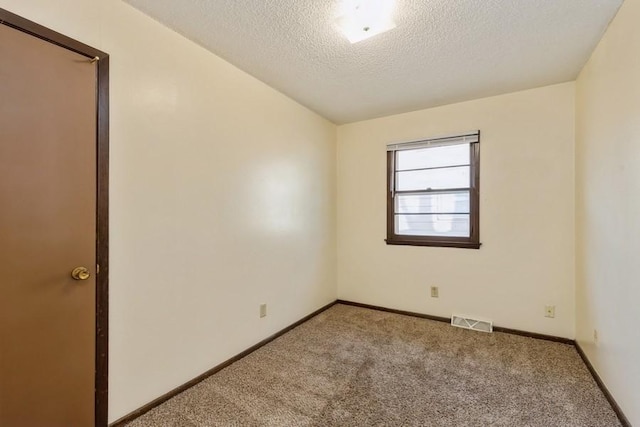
[{"x": 362, "y": 19}]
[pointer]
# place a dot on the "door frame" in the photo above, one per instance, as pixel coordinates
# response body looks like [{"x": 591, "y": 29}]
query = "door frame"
[{"x": 102, "y": 197}]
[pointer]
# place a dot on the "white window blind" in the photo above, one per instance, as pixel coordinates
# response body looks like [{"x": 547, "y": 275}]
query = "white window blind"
[{"x": 470, "y": 138}]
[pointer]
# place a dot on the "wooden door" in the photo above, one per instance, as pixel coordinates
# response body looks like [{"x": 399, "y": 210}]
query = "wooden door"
[{"x": 48, "y": 199}]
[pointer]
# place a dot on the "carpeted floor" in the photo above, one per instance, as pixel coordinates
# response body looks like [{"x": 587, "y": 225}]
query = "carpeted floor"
[{"x": 352, "y": 366}]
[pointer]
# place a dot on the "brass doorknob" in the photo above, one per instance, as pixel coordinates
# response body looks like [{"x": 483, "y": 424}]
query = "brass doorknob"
[{"x": 80, "y": 273}]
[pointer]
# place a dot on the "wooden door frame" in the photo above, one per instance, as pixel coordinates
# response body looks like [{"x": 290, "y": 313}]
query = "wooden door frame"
[{"x": 102, "y": 197}]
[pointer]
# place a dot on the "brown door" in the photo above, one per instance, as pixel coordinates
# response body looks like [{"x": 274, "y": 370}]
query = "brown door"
[{"x": 47, "y": 229}]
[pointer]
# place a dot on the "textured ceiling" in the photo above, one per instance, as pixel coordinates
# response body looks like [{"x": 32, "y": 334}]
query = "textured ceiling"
[{"x": 441, "y": 51}]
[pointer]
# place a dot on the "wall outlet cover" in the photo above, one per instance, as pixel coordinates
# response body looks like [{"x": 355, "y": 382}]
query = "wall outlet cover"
[{"x": 550, "y": 311}]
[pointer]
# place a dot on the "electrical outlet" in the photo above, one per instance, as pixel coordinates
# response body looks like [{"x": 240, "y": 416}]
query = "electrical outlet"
[
  {"x": 434, "y": 292},
  {"x": 595, "y": 336},
  {"x": 263, "y": 310},
  {"x": 550, "y": 311}
]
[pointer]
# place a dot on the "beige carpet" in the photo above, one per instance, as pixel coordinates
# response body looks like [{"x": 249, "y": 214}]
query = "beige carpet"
[{"x": 351, "y": 366}]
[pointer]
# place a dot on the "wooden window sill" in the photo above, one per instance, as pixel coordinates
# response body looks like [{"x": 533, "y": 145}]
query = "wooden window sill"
[{"x": 434, "y": 243}]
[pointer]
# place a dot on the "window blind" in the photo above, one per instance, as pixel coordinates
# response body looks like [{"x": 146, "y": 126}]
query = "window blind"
[{"x": 470, "y": 138}]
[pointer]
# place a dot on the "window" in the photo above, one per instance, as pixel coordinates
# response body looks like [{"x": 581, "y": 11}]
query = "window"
[{"x": 433, "y": 192}]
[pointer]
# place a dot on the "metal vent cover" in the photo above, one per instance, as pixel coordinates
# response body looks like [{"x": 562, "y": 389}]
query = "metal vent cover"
[{"x": 470, "y": 323}]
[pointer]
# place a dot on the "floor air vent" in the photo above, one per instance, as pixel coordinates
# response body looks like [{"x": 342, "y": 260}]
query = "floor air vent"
[{"x": 469, "y": 323}]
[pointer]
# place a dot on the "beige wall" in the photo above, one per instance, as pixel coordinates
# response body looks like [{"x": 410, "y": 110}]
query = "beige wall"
[
  {"x": 222, "y": 197},
  {"x": 608, "y": 209},
  {"x": 526, "y": 215}
]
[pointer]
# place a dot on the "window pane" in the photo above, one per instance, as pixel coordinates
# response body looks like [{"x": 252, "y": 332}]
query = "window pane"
[
  {"x": 450, "y": 155},
  {"x": 455, "y": 202},
  {"x": 433, "y": 179},
  {"x": 433, "y": 225}
]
